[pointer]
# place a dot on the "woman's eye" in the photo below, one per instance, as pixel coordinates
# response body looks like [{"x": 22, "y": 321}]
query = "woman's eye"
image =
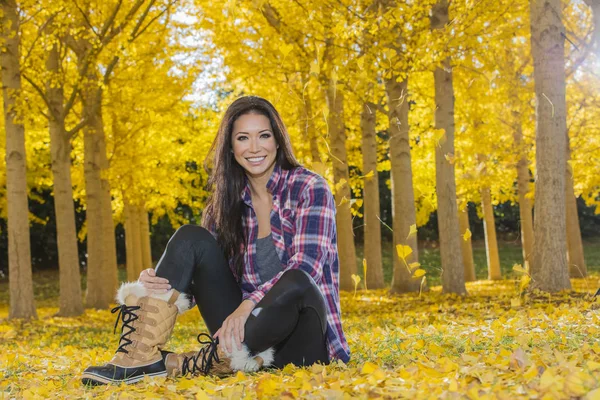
[
  {"x": 240, "y": 138},
  {"x": 265, "y": 135}
]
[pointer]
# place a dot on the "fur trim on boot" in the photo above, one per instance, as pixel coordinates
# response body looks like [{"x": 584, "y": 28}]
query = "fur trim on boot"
[
  {"x": 242, "y": 360},
  {"x": 183, "y": 303}
]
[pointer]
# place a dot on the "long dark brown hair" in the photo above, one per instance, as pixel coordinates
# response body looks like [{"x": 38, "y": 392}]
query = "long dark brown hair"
[{"x": 225, "y": 209}]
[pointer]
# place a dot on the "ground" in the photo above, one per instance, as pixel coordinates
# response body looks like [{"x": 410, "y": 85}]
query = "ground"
[{"x": 494, "y": 343}]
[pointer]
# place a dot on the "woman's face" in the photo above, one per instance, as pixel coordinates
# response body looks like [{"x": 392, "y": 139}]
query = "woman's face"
[{"x": 254, "y": 146}]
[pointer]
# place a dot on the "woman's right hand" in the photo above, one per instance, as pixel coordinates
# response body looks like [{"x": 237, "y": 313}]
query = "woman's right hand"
[{"x": 153, "y": 283}]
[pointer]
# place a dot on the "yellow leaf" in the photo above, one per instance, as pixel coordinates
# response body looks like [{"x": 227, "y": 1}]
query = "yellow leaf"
[
  {"x": 360, "y": 62},
  {"x": 369, "y": 174},
  {"x": 450, "y": 158},
  {"x": 414, "y": 265},
  {"x": 547, "y": 379},
  {"x": 593, "y": 366},
  {"x": 201, "y": 395},
  {"x": 343, "y": 201},
  {"x": 516, "y": 302},
  {"x": 467, "y": 235},
  {"x": 369, "y": 368},
  {"x": 403, "y": 251},
  {"x": 519, "y": 268},
  {"x": 341, "y": 183},
  {"x": 286, "y": 49},
  {"x": 531, "y": 373},
  {"x": 356, "y": 280},
  {"x": 439, "y": 136},
  {"x": 419, "y": 273},
  {"x": 412, "y": 231},
  {"x": 593, "y": 395}
]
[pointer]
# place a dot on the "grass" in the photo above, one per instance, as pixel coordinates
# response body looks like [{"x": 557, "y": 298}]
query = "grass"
[
  {"x": 509, "y": 253},
  {"x": 45, "y": 285}
]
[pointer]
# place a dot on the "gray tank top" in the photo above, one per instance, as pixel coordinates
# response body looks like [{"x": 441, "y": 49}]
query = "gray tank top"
[{"x": 268, "y": 263}]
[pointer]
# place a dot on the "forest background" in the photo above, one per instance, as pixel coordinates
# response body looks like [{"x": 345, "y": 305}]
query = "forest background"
[{"x": 442, "y": 127}]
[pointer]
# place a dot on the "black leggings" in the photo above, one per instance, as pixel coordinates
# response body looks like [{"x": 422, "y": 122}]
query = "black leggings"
[{"x": 291, "y": 317}]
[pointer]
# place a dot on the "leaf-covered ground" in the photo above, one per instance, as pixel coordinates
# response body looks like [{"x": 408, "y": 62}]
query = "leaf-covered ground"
[{"x": 491, "y": 344}]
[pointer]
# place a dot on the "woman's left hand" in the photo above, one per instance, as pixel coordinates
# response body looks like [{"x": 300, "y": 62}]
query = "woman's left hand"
[{"x": 233, "y": 326}]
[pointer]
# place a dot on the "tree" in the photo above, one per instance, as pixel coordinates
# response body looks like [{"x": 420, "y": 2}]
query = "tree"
[
  {"x": 93, "y": 33},
  {"x": 19, "y": 258},
  {"x": 453, "y": 278},
  {"x": 549, "y": 268},
  {"x": 372, "y": 233}
]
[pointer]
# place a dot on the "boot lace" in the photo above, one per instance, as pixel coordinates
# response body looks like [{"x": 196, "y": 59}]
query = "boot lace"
[
  {"x": 206, "y": 355},
  {"x": 127, "y": 316}
]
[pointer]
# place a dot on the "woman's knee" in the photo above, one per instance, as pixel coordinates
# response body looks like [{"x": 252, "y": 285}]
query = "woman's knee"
[
  {"x": 191, "y": 232},
  {"x": 297, "y": 280}
]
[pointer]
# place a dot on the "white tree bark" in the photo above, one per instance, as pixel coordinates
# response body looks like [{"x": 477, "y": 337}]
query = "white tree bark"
[
  {"x": 575, "y": 256},
  {"x": 549, "y": 267},
  {"x": 453, "y": 276},
  {"x": 101, "y": 275},
  {"x": 22, "y": 304},
  {"x": 372, "y": 229},
  {"x": 491, "y": 243},
  {"x": 145, "y": 239},
  {"x": 70, "y": 299},
  {"x": 337, "y": 134},
  {"x": 403, "y": 197},
  {"x": 526, "y": 217}
]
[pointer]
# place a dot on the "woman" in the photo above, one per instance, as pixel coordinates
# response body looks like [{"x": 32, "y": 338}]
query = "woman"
[{"x": 263, "y": 270}]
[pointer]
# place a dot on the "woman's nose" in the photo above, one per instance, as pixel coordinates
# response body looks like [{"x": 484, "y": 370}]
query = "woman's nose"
[{"x": 254, "y": 145}]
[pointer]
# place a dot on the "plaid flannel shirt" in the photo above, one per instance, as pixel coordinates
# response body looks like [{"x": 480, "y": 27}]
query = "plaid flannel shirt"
[{"x": 304, "y": 232}]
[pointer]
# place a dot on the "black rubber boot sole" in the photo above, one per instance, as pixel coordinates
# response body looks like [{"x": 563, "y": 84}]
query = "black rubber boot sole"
[{"x": 114, "y": 374}]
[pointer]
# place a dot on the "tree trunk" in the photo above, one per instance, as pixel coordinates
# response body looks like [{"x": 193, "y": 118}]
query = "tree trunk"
[
  {"x": 133, "y": 242},
  {"x": 108, "y": 225},
  {"x": 100, "y": 229},
  {"x": 549, "y": 268},
  {"x": 129, "y": 252},
  {"x": 453, "y": 276},
  {"x": 307, "y": 125},
  {"x": 491, "y": 244},
  {"x": 465, "y": 245},
  {"x": 403, "y": 198},
  {"x": 337, "y": 133},
  {"x": 145, "y": 239},
  {"x": 526, "y": 217},
  {"x": 372, "y": 229},
  {"x": 576, "y": 260},
  {"x": 70, "y": 300},
  {"x": 22, "y": 304}
]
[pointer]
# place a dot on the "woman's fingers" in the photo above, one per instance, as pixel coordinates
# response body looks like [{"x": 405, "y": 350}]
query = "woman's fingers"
[
  {"x": 154, "y": 283},
  {"x": 236, "y": 334},
  {"x": 225, "y": 336},
  {"x": 242, "y": 330}
]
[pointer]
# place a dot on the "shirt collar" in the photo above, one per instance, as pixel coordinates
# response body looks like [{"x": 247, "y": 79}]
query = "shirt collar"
[{"x": 273, "y": 184}]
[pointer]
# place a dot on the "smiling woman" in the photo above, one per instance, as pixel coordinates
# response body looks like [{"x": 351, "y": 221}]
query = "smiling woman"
[{"x": 263, "y": 269}]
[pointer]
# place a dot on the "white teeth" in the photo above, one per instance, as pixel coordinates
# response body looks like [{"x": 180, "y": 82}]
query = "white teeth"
[{"x": 257, "y": 159}]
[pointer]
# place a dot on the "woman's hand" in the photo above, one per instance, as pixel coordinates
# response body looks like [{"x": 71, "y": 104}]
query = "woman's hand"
[
  {"x": 153, "y": 283},
  {"x": 234, "y": 326}
]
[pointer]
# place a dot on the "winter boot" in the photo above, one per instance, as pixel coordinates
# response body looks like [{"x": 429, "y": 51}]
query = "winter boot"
[
  {"x": 211, "y": 360},
  {"x": 148, "y": 320}
]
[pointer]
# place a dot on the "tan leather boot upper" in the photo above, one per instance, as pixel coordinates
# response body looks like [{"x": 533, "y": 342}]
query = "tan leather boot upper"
[{"x": 150, "y": 331}]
